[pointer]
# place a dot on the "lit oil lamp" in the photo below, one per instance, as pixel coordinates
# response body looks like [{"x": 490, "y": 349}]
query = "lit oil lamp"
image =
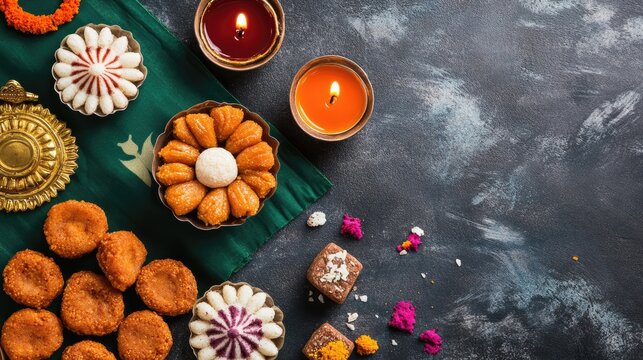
[
  {"x": 331, "y": 98},
  {"x": 239, "y": 34},
  {"x": 242, "y": 25},
  {"x": 334, "y": 92}
]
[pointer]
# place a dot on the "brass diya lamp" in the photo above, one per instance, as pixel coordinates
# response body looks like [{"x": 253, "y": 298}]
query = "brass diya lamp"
[
  {"x": 239, "y": 35},
  {"x": 37, "y": 151}
]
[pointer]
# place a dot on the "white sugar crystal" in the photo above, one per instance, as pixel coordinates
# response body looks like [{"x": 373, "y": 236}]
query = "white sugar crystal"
[
  {"x": 403, "y": 252},
  {"x": 363, "y": 298},
  {"x": 310, "y": 293},
  {"x": 356, "y": 297},
  {"x": 417, "y": 231},
  {"x": 316, "y": 219},
  {"x": 350, "y": 326},
  {"x": 393, "y": 342},
  {"x": 352, "y": 317},
  {"x": 377, "y": 316},
  {"x": 310, "y": 299},
  {"x": 321, "y": 298},
  {"x": 423, "y": 275},
  {"x": 458, "y": 262}
]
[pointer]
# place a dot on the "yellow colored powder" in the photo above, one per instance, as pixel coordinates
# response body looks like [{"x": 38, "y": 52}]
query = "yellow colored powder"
[
  {"x": 366, "y": 345},
  {"x": 334, "y": 350}
]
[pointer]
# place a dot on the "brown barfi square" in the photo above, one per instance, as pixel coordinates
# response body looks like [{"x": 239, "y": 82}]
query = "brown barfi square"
[
  {"x": 322, "y": 336},
  {"x": 334, "y": 272}
]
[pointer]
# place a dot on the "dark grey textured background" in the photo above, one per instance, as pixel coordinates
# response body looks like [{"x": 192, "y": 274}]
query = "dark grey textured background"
[{"x": 511, "y": 132}]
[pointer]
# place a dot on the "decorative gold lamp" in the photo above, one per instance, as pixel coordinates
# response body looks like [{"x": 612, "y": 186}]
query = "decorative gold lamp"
[{"x": 37, "y": 151}]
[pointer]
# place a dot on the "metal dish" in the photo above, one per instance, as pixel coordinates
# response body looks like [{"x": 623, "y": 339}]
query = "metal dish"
[
  {"x": 279, "y": 315},
  {"x": 37, "y": 151},
  {"x": 166, "y": 136},
  {"x": 133, "y": 46}
]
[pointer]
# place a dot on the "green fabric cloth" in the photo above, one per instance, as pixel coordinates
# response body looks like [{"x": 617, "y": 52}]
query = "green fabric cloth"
[{"x": 177, "y": 80}]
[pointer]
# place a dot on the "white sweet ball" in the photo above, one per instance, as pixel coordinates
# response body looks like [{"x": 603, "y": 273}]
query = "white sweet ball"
[{"x": 216, "y": 167}]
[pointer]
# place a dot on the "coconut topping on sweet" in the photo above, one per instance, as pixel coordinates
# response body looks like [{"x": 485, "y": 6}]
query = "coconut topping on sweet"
[
  {"x": 216, "y": 167},
  {"x": 234, "y": 324},
  {"x": 335, "y": 270},
  {"x": 98, "y": 72}
]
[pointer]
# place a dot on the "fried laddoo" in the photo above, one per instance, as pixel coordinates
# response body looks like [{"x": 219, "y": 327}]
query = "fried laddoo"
[
  {"x": 87, "y": 350},
  {"x": 226, "y": 119},
  {"x": 30, "y": 334},
  {"x": 167, "y": 287},
  {"x": 262, "y": 182},
  {"x": 32, "y": 279},
  {"x": 214, "y": 209},
  {"x": 185, "y": 197},
  {"x": 202, "y": 127},
  {"x": 243, "y": 200},
  {"x": 258, "y": 157},
  {"x": 247, "y": 134},
  {"x": 121, "y": 255},
  {"x": 182, "y": 132},
  {"x": 144, "y": 335},
  {"x": 90, "y": 305},
  {"x": 74, "y": 228},
  {"x": 174, "y": 173},
  {"x": 179, "y": 152}
]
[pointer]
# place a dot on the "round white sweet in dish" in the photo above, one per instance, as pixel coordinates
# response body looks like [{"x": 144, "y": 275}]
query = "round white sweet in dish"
[
  {"x": 216, "y": 167},
  {"x": 234, "y": 324},
  {"x": 98, "y": 74}
]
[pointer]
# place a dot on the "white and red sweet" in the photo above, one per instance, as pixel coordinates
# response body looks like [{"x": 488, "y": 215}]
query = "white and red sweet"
[
  {"x": 97, "y": 74},
  {"x": 234, "y": 324}
]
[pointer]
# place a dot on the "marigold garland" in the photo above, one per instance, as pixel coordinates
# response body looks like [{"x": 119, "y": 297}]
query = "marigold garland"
[{"x": 27, "y": 22}]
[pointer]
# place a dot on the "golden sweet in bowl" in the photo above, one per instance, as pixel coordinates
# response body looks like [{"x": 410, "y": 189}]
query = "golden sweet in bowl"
[{"x": 216, "y": 164}]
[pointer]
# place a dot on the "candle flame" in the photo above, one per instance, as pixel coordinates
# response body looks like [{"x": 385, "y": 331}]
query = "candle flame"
[
  {"x": 334, "y": 89},
  {"x": 242, "y": 22}
]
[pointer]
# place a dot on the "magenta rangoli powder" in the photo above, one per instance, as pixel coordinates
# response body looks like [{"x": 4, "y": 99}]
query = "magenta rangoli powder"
[
  {"x": 403, "y": 317},
  {"x": 432, "y": 341},
  {"x": 352, "y": 226}
]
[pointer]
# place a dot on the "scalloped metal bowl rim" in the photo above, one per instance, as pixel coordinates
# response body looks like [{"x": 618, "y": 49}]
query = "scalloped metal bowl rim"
[
  {"x": 248, "y": 115},
  {"x": 133, "y": 44},
  {"x": 279, "y": 342}
]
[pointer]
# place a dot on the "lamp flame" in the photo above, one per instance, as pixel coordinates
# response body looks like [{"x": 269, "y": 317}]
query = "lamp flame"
[
  {"x": 242, "y": 22},
  {"x": 334, "y": 92}
]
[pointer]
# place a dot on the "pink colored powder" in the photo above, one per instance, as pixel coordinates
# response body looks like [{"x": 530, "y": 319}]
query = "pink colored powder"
[
  {"x": 352, "y": 226},
  {"x": 412, "y": 242},
  {"x": 432, "y": 341},
  {"x": 403, "y": 317}
]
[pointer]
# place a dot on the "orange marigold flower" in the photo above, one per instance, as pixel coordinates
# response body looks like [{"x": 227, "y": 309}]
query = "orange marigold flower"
[{"x": 27, "y": 22}]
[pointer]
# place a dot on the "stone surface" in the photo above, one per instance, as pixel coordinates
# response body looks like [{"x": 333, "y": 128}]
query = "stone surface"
[{"x": 510, "y": 132}]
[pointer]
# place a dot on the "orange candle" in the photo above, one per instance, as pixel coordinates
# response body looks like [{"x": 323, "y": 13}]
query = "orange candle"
[{"x": 331, "y": 98}]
